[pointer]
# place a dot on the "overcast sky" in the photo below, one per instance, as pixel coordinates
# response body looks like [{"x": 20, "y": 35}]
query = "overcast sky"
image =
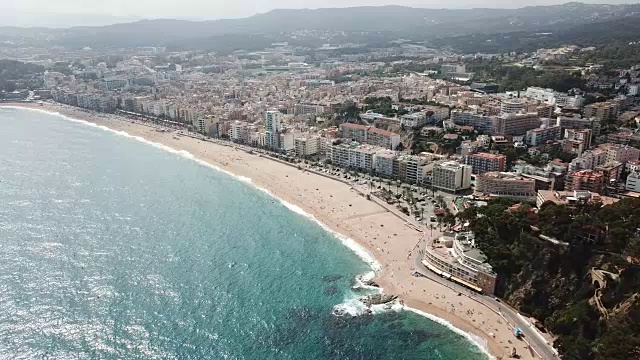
[{"x": 215, "y": 9}]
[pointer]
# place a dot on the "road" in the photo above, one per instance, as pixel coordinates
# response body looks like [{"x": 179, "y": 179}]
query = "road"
[{"x": 542, "y": 348}]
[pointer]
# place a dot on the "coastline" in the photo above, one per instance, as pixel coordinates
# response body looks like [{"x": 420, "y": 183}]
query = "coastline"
[{"x": 378, "y": 237}]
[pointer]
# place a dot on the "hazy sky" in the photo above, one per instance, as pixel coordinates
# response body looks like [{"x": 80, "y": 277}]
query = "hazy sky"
[{"x": 214, "y": 9}]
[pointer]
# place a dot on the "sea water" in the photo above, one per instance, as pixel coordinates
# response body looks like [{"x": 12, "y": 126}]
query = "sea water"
[{"x": 114, "y": 249}]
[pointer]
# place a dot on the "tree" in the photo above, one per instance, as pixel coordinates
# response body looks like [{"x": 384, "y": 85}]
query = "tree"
[{"x": 10, "y": 86}]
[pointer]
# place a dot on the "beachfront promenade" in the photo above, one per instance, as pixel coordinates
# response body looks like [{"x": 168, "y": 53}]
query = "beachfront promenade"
[{"x": 345, "y": 210}]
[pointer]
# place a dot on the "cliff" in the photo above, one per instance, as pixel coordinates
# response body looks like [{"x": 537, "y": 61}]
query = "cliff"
[{"x": 586, "y": 293}]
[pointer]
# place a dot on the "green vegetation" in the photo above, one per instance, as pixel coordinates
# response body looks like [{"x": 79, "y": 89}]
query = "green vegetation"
[
  {"x": 382, "y": 105},
  {"x": 517, "y": 78},
  {"x": 553, "y": 283},
  {"x": 614, "y": 55},
  {"x": 18, "y": 75}
]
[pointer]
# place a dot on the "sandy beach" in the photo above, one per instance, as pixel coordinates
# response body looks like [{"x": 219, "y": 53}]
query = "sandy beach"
[{"x": 345, "y": 211}]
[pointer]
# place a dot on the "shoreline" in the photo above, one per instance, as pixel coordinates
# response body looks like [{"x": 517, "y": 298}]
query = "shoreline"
[{"x": 348, "y": 223}]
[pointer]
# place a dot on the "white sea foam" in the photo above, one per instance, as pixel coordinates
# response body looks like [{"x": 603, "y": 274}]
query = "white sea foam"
[
  {"x": 476, "y": 340},
  {"x": 352, "y": 304}
]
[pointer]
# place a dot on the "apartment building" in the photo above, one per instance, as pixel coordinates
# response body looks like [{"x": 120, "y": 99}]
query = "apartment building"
[
  {"x": 411, "y": 168},
  {"x": 579, "y": 124},
  {"x": 603, "y": 111},
  {"x": 577, "y": 141},
  {"x": 542, "y": 135},
  {"x": 484, "y": 162},
  {"x": 485, "y": 124},
  {"x": 439, "y": 113},
  {"x": 383, "y": 163},
  {"x": 413, "y": 120},
  {"x": 585, "y": 180},
  {"x": 304, "y": 109},
  {"x": 370, "y": 135},
  {"x": 307, "y": 146},
  {"x": 517, "y": 124},
  {"x": 621, "y": 153},
  {"x": 239, "y": 131},
  {"x": 500, "y": 184},
  {"x": 451, "y": 176},
  {"x": 353, "y": 155}
]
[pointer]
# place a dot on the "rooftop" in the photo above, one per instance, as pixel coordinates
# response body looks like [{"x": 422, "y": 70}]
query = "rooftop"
[{"x": 488, "y": 156}]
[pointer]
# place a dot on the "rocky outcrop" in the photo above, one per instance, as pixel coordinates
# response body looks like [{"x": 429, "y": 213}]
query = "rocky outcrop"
[{"x": 378, "y": 299}]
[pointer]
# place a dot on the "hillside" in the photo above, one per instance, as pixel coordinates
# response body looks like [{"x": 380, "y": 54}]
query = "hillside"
[
  {"x": 594, "y": 320},
  {"x": 414, "y": 23}
]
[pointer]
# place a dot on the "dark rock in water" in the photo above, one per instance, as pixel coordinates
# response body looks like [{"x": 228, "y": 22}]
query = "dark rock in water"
[
  {"x": 331, "y": 290},
  {"x": 377, "y": 299},
  {"x": 370, "y": 283},
  {"x": 331, "y": 278}
]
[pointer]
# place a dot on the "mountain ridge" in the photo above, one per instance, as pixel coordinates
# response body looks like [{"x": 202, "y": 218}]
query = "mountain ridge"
[{"x": 401, "y": 21}]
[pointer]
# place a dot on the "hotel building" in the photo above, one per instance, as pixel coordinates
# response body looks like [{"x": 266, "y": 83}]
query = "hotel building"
[
  {"x": 499, "y": 184},
  {"x": 457, "y": 258}
]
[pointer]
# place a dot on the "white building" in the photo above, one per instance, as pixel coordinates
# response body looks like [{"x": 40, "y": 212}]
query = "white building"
[
  {"x": 287, "y": 142},
  {"x": 413, "y": 120},
  {"x": 239, "y": 131},
  {"x": 633, "y": 182},
  {"x": 512, "y": 106},
  {"x": 307, "y": 146},
  {"x": 353, "y": 155},
  {"x": 383, "y": 163},
  {"x": 273, "y": 122},
  {"x": 451, "y": 176}
]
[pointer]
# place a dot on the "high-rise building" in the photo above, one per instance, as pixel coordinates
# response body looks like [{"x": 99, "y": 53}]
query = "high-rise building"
[{"x": 273, "y": 124}]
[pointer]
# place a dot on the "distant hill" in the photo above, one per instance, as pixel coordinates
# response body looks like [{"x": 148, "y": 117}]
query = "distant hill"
[
  {"x": 40, "y": 19},
  {"x": 407, "y": 22}
]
